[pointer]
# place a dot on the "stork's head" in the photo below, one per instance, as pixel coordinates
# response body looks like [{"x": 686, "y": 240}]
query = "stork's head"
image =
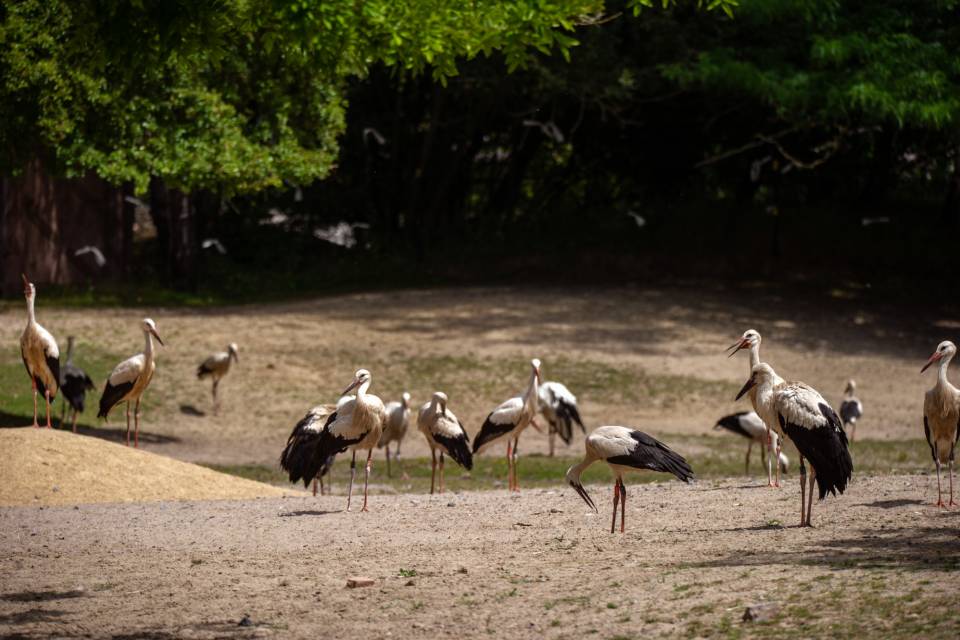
[
  {"x": 851, "y": 387},
  {"x": 573, "y": 479},
  {"x": 535, "y": 363},
  {"x": 405, "y": 397},
  {"x": 440, "y": 398},
  {"x": 360, "y": 377},
  {"x": 149, "y": 326},
  {"x": 29, "y": 291},
  {"x": 749, "y": 340},
  {"x": 234, "y": 352},
  {"x": 760, "y": 373},
  {"x": 945, "y": 349}
]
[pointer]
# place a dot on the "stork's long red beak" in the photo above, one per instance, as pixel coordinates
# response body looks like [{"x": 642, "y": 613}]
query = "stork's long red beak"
[
  {"x": 353, "y": 385},
  {"x": 583, "y": 494},
  {"x": 157, "y": 336},
  {"x": 736, "y": 346},
  {"x": 934, "y": 358},
  {"x": 26, "y": 282},
  {"x": 750, "y": 385}
]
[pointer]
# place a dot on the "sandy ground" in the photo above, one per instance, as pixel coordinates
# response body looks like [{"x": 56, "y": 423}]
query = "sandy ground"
[
  {"x": 880, "y": 562},
  {"x": 52, "y": 467},
  {"x": 645, "y": 357}
]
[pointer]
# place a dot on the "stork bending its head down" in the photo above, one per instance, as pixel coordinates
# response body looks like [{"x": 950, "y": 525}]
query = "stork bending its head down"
[
  {"x": 40, "y": 353},
  {"x": 443, "y": 431},
  {"x": 749, "y": 425},
  {"x": 130, "y": 379},
  {"x": 624, "y": 450},
  {"x": 355, "y": 424},
  {"x": 559, "y": 406},
  {"x": 509, "y": 420},
  {"x": 812, "y": 425},
  {"x": 941, "y": 415}
]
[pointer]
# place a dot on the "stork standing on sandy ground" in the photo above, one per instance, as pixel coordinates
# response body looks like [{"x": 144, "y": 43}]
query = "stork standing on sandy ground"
[
  {"x": 625, "y": 449},
  {"x": 312, "y": 422},
  {"x": 216, "y": 366},
  {"x": 398, "y": 419},
  {"x": 74, "y": 383},
  {"x": 356, "y": 424},
  {"x": 40, "y": 353},
  {"x": 751, "y": 340},
  {"x": 749, "y": 425},
  {"x": 812, "y": 425},
  {"x": 941, "y": 414},
  {"x": 130, "y": 379},
  {"x": 851, "y": 409},
  {"x": 559, "y": 407},
  {"x": 443, "y": 431},
  {"x": 508, "y": 421}
]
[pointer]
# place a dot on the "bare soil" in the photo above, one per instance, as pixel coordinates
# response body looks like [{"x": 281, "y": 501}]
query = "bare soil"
[{"x": 880, "y": 563}]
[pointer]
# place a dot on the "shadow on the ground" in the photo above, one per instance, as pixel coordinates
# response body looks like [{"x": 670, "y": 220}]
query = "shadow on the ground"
[
  {"x": 306, "y": 512},
  {"x": 32, "y": 615},
  {"x": 113, "y": 434},
  {"x": 41, "y": 596},
  {"x": 190, "y": 410},
  {"x": 890, "y": 504}
]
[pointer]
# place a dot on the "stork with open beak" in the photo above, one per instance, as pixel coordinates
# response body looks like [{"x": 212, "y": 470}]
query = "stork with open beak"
[
  {"x": 130, "y": 379},
  {"x": 751, "y": 340},
  {"x": 508, "y": 421},
  {"x": 941, "y": 415},
  {"x": 40, "y": 353}
]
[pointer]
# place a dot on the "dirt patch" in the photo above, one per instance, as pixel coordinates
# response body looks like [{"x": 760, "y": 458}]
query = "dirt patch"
[
  {"x": 880, "y": 563},
  {"x": 50, "y": 467}
]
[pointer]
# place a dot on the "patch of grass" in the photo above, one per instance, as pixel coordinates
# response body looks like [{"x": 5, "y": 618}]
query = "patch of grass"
[
  {"x": 611, "y": 605},
  {"x": 407, "y": 573}
]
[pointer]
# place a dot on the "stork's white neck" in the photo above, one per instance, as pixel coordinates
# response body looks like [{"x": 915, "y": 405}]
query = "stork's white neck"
[
  {"x": 148, "y": 345},
  {"x": 942, "y": 373},
  {"x": 530, "y": 398},
  {"x": 362, "y": 389},
  {"x": 31, "y": 316},
  {"x": 754, "y": 355},
  {"x": 574, "y": 473}
]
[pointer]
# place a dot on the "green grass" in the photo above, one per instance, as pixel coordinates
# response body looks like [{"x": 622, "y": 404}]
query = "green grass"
[{"x": 720, "y": 458}]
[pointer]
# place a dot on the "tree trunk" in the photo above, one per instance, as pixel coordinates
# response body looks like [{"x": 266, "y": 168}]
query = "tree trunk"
[{"x": 175, "y": 217}]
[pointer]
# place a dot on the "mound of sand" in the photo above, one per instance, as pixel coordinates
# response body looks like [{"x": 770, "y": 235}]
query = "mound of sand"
[{"x": 52, "y": 467}]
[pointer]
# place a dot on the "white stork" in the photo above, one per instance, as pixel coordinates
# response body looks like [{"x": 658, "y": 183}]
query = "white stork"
[
  {"x": 812, "y": 425},
  {"x": 751, "y": 340},
  {"x": 74, "y": 383},
  {"x": 356, "y": 424},
  {"x": 130, "y": 379},
  {"x": 312, "y": 422},
  {"x": 851, "y": 409},
  {"x": 625, "y": 449},
  {"x": 445, "y": 432},
  {"x": 559, "y": 407},
  {"x": 941, "y": 414},
  {"x": 216, "y": 366},
  {"x": 508, "y": 421},
  {"x": 40, "y": 353},
  {"x": 749, "y": 425},
  {"x": 395, "y": 428}
]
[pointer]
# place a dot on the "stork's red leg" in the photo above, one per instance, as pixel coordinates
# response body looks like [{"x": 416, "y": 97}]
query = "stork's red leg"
[
  {"x": 746, "y": 469},
  {"x": 366, "y": 478},
  {"x": 321, "y": 484},
  {"x": 314, "y": 487},
  {"x": 936, "y": 459},
  {"x": 616, "y": 499},
  {"x": 951, "y": 503},
  {"x": 776, "y": 461},
  {"x": 623, "y": 505},
  {"x": 441, "y": 472},
  {"x": 74, "y": 420},
  {"x": 509, "y": 465},
  {"x": 46, "y": 395},
  {"x": 353, "y": 472},
  {"x": 433, "y": 469},
  {"x": 387, "y": 449},
  {"x": 516, "y": 478},
  {"x": 128, "y": 423},
  {"x": 813, "y": 476},
  {"x": 33, "y": 381},
  {"x": 803, "y": 491},
  {"x": 136, "y": 425},
  {"x": 769, "y": 457}
]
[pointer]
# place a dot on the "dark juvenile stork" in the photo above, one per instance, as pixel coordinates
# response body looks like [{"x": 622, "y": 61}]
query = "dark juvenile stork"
[
  {"x": 443, "y": 431},
  {"x": 74, "y": 382},
  {"x": 130, "y": 379},
  {"x": 355, "y": 424},
  {"x": 311, "y": 424},
  {"x": 749, "y": 425},
  {"x": 624, "y": 450},
  {"x": 851, "y": 409},
  {"x": 508, "y": 421},
  {"x": 559, "y": 406},
  {"x": 40, "y": 353},
  {"x": 941, "y": 415},
  {"x": 812, "y": 425}
]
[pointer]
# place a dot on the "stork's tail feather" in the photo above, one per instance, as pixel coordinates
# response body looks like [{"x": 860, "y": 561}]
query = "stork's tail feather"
[
  {"x": 310, "y": 451},
  {"x": 202, "y": 372},
  {"x": 489, "y": 433},
  {"x": 827, "y": 451},
  {"x": 676, "y": 464},
  {"x": 458, "y": 449}
]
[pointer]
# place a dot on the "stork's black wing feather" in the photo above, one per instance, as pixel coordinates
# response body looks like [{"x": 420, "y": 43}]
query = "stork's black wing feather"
[
  {"x": 849, "y": 411},
  {"x": 54, "y": 365},
  {"x": 650, "y": 453},
  {"x": 490, "y": 431},
  {"x": 826, "y": 448},
  {"x": 112, "y": 395},
  {"x": 457, "y": 448},
  {"x": 309, "y": 450},
  {"x": 732, "y": 423},
  {"x": 202, "y": 371},
  {"x": 74, "y": 384}
]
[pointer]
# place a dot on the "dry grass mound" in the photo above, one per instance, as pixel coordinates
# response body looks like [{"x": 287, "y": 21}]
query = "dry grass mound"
[{"x": 52, "y": 467}]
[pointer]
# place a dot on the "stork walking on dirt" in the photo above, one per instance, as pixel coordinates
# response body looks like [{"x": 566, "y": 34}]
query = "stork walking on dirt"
[
  {"x": 559, "y": 407},
  {"x": 624, "y": 450},
  {"x": 751, "y": 340},
  {"x": 130, "y": 379},
  {"x": 508, "y": 421},
  {"x": 357, "y": 423},
  {"x": 941, "y": 413},
  {"x": 40, "y": 353},
  {"x": 801, "y": 413},
  {"x": 395, "y": 428},
  {"x": 749, "y": 425},
  {"x": 215, "y": 367},
  {"x": 851, "y": 409},
  {"x": 74, "y": 384},
  {"x": 443, "y": 431}
]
